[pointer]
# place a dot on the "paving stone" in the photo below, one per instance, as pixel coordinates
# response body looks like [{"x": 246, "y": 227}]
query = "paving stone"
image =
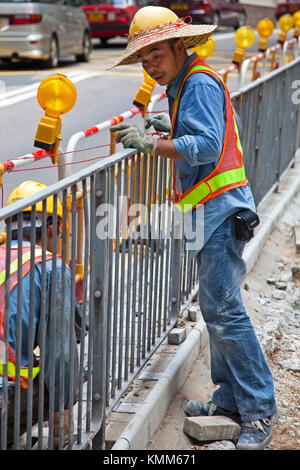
[
  {"x": 211, "y": 428},
  {"x": 176, "y": 336},
  {"x": 128, "y": 407},
  {"x": 193, "y": 313}
]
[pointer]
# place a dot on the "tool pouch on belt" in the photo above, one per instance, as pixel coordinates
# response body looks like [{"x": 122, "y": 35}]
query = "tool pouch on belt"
[{"x": 245, "y": 222}]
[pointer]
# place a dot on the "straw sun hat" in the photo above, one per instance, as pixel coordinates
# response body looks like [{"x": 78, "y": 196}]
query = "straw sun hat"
[{"x": 153, "y": 24}]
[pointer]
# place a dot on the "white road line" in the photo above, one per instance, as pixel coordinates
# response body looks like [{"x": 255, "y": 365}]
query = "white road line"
[
  {"x": 29, "y": 91},
  {"x": 24, "y": 93}
]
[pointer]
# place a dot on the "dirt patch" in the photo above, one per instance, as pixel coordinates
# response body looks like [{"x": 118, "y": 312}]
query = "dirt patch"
[{"x": 273, "y": 302}]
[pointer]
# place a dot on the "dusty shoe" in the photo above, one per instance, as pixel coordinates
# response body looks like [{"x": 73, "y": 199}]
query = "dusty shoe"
[
  {"x": 256, "y": 435},
  {"x": 198, "y": 408}
]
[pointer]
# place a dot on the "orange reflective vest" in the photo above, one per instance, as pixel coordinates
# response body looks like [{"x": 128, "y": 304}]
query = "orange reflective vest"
[
  {"x": 229, "y": 172},
  {"x": 13, "y": 280}
]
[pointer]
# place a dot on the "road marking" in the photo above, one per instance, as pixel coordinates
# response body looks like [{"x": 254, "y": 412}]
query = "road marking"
[
  {"x": 29, "y": 91},
  {"x": 26, "y": 92}
]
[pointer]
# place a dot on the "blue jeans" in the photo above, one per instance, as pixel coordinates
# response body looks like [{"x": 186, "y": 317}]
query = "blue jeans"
[{"x": 238, "y": 365}]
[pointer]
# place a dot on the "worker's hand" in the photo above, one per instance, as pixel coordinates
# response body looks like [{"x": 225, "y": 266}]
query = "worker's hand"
[
  {"x": 160, "y": 122},
  {"x": 133, "y": 137}
]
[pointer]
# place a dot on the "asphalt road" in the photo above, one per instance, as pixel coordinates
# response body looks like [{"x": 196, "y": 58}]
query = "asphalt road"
[{"x": 101, "y": 94}]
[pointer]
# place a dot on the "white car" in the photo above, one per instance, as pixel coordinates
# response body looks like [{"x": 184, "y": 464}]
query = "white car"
[{"x": 44, "y": 30}]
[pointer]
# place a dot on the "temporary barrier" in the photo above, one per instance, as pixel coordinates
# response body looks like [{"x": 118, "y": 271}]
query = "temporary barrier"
[
  {"x": 130, "y": 300},
  {"x": 271, "y": 59},
  {"x": 76, "y": 138},
  {"x": 269, "y": 111},
  {"x": 288, "y": 51},
  {"x": 132, "y": 292},
  {"x": 225, "y": 72}
]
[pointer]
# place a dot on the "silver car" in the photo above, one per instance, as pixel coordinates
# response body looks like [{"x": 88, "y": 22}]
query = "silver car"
[{"x": 46, "y": 30}]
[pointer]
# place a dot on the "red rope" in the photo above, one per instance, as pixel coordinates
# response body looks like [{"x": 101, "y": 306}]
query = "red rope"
[
  {"x": 60, "y": 153},
  {"x": 29, "y": 157},
  {"x": 61, "y": 164},
  {"x": 74, "y": 151}
]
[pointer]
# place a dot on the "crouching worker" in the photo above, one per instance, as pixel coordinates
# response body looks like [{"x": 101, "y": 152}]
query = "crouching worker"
[{"x": 39, "y": 315}]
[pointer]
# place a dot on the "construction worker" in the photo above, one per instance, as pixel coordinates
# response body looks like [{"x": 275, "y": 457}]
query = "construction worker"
[
  {"x": 56, "y": 356},
  {"x": 206, "y": 152}
]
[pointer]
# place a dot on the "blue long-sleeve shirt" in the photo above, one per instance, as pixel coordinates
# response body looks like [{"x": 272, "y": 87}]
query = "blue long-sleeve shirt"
[
  {"x": 62, "y": 337},
  {"x": 198, "y": 136}
]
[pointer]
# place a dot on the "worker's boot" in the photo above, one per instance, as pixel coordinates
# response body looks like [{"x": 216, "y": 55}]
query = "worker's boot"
[{"x": 256, "y": 435}]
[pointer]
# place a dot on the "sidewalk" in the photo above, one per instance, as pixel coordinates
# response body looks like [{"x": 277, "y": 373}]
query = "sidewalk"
[{"x": 162, "y": 389}]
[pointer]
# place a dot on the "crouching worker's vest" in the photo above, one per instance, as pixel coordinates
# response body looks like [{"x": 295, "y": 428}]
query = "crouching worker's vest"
[
  {"x": 229, "y": 172},
  {"x": 13, "y": 280}
]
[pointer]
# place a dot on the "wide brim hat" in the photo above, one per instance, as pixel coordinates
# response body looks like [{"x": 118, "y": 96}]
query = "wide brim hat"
[{"x": 192, "y": 35}]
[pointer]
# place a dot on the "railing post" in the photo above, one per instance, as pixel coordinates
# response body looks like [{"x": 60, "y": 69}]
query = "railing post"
[
  {"x": 99, "y": 253},
  {"x": 176, "y": 258}
]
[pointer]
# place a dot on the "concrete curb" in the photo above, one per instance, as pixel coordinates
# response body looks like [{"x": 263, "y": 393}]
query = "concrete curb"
[{"x": 147, "y": 419}]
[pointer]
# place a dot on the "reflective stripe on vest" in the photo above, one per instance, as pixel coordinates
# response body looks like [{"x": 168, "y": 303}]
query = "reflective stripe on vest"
[
  {"x": 229, "y": 172},
  {"x": 13, "y": 279},
  {"x": 24, "y": 372}
]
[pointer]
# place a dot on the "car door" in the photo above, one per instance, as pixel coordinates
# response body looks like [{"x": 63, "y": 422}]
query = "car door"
[
  {"x": 232, "y": 10},
  {"x": 59, "y": 23},
  {"x": 228, "y": 13},
  {"x": 79, "y": 24},
  {"x": 73, "y": 26}
]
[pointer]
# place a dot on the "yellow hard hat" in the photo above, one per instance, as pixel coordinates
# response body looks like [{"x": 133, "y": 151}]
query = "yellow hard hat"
[
  {"x": 152, "y": 24},
  {"x": 150, "y": 16},
  {"x": 29, "y": 188}
]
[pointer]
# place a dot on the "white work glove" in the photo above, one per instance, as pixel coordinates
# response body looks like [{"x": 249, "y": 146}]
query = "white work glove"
[
  {"x": 133, "y": 137},
  {"x": 160, "y": 122}
]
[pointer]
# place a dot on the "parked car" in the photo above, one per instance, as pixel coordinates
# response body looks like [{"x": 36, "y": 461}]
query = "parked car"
[
  {"x": 43, "y": 29},
  {"x": 286, "y": 7},
  {"x": 109, "y": 18},
  {"x": 219, "y": 12}
]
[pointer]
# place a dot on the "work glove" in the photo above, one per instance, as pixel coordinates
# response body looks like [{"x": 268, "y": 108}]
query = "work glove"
[
  {"x": 133, "y": 137},
  {"x": 160, "y": 122}
]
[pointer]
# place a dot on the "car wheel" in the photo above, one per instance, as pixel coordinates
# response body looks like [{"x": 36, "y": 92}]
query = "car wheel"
[
  {"x": 52, "y": 60},
  {"x": 216, "y": 18},
  {"x": 86, "y": 49},
  {"x": 242, "y": 20}
]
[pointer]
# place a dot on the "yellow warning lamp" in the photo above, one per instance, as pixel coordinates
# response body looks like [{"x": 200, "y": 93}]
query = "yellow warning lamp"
[
  {"x": 264, "y": 28},
  {"x": 3, "y": 238},
  {"x": 296, "y": 21},
  {"x": 143, "y": 96},
  {"x": 206, "y": 50},
  {"x": 244, "y": 38},
  {"x": 285, "y": 24},
  {"x": 56, "y": 95}
]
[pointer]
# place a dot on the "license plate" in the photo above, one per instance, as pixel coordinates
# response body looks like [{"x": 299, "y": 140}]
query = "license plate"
[
  {"x": 96, "y": 17},
  {"x": 179, "y": 6}
]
